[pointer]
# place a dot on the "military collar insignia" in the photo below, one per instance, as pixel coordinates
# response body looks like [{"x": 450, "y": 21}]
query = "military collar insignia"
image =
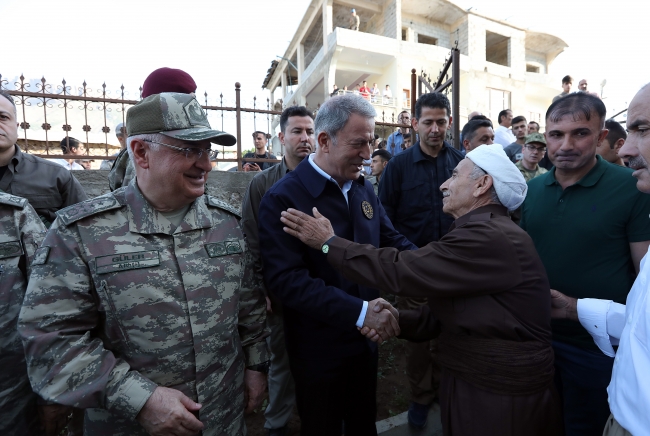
[{"x": 367, "y": 209}]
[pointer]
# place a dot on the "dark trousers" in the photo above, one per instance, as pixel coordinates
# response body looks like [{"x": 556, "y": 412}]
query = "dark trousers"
[
  {"x": 582, "y": 377},
  {"x": 332, "y": 392},
  {"x": 422, "y": 367}
]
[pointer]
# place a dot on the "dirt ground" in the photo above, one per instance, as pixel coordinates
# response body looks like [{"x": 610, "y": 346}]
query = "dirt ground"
[{"x": 392, "y": 390}]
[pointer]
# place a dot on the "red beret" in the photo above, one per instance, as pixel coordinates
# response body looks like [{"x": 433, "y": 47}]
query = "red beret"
[{"x": 168, "y": 80}]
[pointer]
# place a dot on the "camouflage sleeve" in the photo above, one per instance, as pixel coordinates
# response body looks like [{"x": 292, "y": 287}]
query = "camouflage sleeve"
[
  {"x": 32, "y": 232},
  {"x": 252, "y": 315},
  {"x": 249, "y": 211},
  {"x": 61, "y": 327}
]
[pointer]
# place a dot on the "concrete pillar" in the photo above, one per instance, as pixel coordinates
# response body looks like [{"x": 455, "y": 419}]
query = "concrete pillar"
[
  {"x": 283, "y": 82},
  {"x": 300, "y": 55},
  {"x": 328, "y": 23}
]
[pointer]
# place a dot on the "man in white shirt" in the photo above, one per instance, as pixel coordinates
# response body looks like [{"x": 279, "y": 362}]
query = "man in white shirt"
[
  {"x": 69, "y": 145},
  {"x": 627, "y": 326},
  {"x": 502, "y": 134}
]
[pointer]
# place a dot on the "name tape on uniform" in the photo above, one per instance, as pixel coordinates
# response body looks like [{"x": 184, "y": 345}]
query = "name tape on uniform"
[{"x": 127, "y": 261}]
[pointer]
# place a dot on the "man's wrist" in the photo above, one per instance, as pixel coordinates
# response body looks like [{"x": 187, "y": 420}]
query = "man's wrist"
[{"x": 327, "y": 242}]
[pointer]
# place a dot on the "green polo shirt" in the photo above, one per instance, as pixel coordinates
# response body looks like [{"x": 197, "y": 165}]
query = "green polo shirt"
[{"x": 582, "y": 234}]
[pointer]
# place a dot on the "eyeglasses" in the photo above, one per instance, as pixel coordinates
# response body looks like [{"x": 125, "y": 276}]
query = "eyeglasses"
[
  {"x": 533, "y": 148},
  {"x": 193, "y": 153}
]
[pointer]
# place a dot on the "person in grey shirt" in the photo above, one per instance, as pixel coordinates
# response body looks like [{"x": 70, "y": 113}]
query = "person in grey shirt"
[
  {"x": 47, "y": 185},
  {"x": 297, "y": 136}
]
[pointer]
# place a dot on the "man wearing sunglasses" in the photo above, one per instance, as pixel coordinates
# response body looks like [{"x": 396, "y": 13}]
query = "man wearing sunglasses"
[
  {"x": 533, "y": 151},
  {"x": 158, "y": 324}
]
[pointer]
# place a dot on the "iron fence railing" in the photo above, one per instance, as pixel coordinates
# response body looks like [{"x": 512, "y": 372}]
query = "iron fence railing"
[{"x": 90, "y": 115}]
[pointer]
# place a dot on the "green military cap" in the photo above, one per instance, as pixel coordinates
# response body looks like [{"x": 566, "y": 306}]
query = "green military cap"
[
  {"x": 535, "y": 137},
  {"x": 175, "y": 115}
]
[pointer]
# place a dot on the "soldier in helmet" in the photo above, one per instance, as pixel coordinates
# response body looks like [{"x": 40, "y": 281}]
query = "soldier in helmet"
[{"x": 142, "y": 306}]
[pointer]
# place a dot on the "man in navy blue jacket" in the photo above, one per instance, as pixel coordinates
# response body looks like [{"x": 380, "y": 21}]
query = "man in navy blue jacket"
[{"x": 334, "y": 366}]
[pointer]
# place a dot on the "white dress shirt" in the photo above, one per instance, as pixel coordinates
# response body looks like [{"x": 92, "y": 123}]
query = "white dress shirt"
[
  {"x": 67, "y": 165},
  {"x": 344, "y": 189},
  {"x": 610, "y": 323},
  {"x": 504, "y": 136}
]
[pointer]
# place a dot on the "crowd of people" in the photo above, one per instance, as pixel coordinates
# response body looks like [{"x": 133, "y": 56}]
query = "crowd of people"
[{"x": 159, "y": 309}]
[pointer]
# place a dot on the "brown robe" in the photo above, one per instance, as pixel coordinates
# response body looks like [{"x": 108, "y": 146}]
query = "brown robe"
[{"x": 485, "y": 284}]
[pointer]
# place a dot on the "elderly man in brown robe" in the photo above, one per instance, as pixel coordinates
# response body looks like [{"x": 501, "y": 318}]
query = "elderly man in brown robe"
[{"x": 489, "y": 301}]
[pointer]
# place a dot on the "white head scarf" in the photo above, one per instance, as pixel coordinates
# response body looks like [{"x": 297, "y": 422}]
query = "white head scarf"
[{"x": 507, "y": 179}]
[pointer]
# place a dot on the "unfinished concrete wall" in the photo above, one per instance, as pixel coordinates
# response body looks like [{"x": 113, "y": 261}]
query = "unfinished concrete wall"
[{"x": 225, "y": 185}]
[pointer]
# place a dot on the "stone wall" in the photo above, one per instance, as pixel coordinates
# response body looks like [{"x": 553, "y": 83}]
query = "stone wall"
[{"x": 225, "y": 185}]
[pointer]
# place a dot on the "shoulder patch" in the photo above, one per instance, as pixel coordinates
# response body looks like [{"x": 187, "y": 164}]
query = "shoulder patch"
[
  {"x": 88, "y": 208},
  {"x": 12, "y": 200},
  {"x": 212, "y": 201}
]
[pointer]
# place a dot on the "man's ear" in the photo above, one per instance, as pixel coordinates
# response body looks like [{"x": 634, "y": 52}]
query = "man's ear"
[
  {"x": 602, "y": 135},
  {"x": 451, "y": 122},
  {"x": 483, "y": 185},
  {"x": 324, "y": 142},
  {"x": 281, "y": 138},
  {"x": 618, "y": 144},
  {"x": 141, "y": 153},
  {"x": 466, "y": 144}
]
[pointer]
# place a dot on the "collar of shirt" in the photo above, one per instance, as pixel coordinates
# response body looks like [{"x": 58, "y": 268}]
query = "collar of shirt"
[
  {"x": 419, "y": 155},
  {"x": 17, "y": 158},
  {"x": 346, "y": 186},
  {"x": 472, "y": 215},
  {"x": 590, "y": 179},
  {"x": 144, "y": 219}
]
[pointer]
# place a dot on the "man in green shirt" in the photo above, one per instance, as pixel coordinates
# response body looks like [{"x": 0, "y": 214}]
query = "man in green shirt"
[
  {"x": 591, "y": 229},
  {"x": 533, "y": 151}
]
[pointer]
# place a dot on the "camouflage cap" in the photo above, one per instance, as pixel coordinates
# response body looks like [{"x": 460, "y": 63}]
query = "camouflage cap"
[
  {"x": 535, "y": 137},
  {"x": 175, "y": 115}
]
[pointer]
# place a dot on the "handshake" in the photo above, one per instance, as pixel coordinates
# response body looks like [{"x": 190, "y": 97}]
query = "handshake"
[{"x": 381, "y": 322}]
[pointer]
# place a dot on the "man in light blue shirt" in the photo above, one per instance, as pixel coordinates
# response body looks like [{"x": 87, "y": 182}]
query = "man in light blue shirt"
[{"x": 396, "y": 139}]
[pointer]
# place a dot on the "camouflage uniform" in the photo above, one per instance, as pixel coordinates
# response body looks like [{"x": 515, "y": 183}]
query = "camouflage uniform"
[
  {"x": 122, "y": 171},
  {"x": 119, "y": 302},
  {"x": 21, "y": 231}
]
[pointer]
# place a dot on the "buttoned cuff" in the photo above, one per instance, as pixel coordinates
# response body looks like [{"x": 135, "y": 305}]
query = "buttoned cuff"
[
  {"x": 336, "y": 253},
  {"x": 256, "y": 353},
  {"x": 592, "y": 314},
  {"x": 362, "y": 315},
  {"x": 131, "y": 395}
]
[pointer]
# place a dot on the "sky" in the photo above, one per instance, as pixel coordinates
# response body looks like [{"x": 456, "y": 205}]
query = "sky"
[{"x": 222, "y": 42}]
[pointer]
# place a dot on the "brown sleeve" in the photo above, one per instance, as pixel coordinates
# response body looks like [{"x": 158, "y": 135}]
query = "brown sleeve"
[
  {"x": 418, "y": 325},
  {"x": 476, "y": 259}
]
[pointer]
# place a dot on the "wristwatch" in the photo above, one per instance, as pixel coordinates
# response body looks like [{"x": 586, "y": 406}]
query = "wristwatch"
[{"x": 325, "y": 248}]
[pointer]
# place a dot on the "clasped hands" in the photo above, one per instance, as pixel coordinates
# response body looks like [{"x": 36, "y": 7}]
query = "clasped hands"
[{"x": 381, "y": 322}]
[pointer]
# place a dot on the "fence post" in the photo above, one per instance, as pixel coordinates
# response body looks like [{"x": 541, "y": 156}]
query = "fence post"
[
  {"x": 238, "y": 113},
  {"x": 414, "y": 97},
  {"x": 455, "y": 95}
]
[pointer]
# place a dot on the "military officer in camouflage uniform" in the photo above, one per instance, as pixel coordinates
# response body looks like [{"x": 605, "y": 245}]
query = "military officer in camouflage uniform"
[
  {"x": 142, "y": 307},
  {"x": 21, "y": 231}
]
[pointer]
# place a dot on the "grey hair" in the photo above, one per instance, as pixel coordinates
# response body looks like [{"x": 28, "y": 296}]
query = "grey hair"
[
  {"x": 477, "y": 172},
  {"x": 334, "y": 114},
  {"x": 146, "y": 137}
]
